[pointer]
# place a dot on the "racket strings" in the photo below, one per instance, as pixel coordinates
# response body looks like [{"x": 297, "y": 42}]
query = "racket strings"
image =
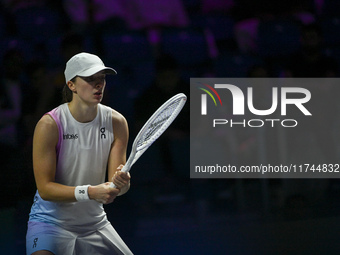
[{"x": 158, "y": 123}]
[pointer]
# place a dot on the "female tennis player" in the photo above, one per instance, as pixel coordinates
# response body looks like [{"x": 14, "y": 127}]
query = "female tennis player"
[{"x": 74, "y": 146}]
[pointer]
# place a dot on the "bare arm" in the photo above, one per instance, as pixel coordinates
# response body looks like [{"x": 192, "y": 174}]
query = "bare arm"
[
  {"x": 44, "y": 162},
  {"x": 118, "y": 153}
]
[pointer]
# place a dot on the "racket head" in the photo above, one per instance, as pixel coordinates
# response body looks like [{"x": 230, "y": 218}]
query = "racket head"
[{"x": 155, "y": 127}]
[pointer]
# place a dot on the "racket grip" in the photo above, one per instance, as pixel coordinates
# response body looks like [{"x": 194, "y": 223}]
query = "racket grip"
[
  {"x": 125, "y": 168},
  {"x": 112, "y": 185}
]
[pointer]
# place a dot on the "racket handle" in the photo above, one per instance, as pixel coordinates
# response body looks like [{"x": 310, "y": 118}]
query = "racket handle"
[
  {"x": 125, "y": 168},
  {"x": 112, "y": 185}
]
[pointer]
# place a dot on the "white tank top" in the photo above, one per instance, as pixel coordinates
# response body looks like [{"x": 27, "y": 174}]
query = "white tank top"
[{"x": 82, "y": 155}]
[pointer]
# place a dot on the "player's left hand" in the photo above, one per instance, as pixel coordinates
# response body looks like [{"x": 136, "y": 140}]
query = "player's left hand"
[{"x": 121, "y": 179}]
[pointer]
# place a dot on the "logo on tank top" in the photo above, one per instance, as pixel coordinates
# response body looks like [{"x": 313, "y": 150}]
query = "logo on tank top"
[
  {"x": 102, "y": 133},
  {"x": 70, "y": 136}
]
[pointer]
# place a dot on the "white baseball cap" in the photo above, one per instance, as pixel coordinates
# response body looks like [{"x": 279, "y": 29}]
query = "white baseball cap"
[{"x": 85, "y": 64}]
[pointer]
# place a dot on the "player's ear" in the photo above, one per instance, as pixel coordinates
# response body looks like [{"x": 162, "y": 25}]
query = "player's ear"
[{"x": 71, "y": 86}]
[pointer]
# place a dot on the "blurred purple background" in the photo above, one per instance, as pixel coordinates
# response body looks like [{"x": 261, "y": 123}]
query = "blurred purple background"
[{"x": 156, "y": 46}]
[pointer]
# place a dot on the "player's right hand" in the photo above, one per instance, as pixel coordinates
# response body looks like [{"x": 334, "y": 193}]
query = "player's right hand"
[{"x": 103, "y": 193}]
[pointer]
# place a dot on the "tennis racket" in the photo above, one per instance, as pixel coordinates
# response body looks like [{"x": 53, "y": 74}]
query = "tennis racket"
[{"x": 154, "y": 128}]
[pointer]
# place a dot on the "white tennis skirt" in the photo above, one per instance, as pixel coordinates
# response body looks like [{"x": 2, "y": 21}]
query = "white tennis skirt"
[{"x": 44, "y": 236}]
